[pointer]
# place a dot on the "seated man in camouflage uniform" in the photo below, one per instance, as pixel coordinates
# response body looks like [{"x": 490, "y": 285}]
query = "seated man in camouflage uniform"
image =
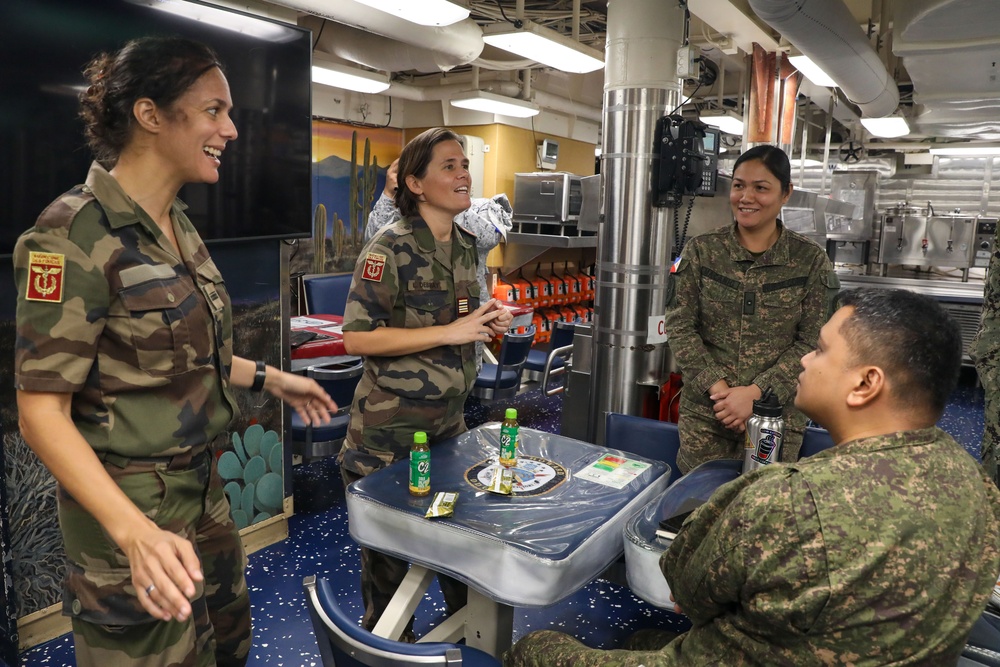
[{"x": 882, "y": 550}]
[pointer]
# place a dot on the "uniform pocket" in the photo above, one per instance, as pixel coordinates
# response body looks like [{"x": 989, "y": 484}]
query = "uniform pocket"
[
  {"x": 719, "y": 293},
  {"x": 426, "y": 308},
  {"x": 788, "y": 296},
  {"x": 379, "y": 407},
  {"x": 156, "y": 315},
  {"x": 98, "y": 586}
]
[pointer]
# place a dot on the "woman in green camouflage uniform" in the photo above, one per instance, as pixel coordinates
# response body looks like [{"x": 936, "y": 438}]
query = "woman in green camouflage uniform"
[
  {"x": 414, "y": 313},
  {"x": 124, "y": 368},
  {"x": 750, "y": 300}
]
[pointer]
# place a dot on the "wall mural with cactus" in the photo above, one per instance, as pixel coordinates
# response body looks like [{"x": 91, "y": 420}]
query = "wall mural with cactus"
[{"x": 349, "y": 165}]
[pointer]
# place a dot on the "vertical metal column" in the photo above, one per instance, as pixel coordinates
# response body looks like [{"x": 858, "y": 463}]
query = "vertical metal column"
[{"x": 633, "y": 252}]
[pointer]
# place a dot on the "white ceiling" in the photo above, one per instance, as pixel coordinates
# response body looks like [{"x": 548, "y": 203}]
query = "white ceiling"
[{"x": 943, "y": 54}]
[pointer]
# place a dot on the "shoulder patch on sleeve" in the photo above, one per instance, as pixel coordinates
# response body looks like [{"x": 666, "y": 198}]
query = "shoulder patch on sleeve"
[
  {"x": 374, "y": 266},
  {"x": 45, "y": 277}
]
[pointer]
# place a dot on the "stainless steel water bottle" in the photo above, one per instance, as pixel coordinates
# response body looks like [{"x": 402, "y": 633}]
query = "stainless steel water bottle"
[{"x": 765, "y": 432}]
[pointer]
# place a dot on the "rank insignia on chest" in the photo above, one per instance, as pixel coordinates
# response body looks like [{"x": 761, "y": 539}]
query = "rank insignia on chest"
[
  {"x": 45, "y": 277},
  {"x": 374, "y": 265},
  {"x": 463, "y": 306}
]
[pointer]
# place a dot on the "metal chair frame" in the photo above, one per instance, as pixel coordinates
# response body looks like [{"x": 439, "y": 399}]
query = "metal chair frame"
[
  {"x": 513, "y": 353},
  {"x": 538, "y": 361},
  {"x": 340, "y": 383},
  {"x": 344, "y": 643}
]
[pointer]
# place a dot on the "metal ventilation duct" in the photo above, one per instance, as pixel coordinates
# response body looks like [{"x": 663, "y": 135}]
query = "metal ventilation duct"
[
  {"x": 453, "y": 45},
  {"x": 825, "y": 31}
]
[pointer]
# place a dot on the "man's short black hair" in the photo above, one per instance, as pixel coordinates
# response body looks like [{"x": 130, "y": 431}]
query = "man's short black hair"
[{"x": 911, "y": 337}]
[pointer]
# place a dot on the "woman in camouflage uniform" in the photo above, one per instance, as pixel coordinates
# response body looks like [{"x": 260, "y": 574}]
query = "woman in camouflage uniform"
[
  {"x": 488, "y": 219},
  {"x": 124, "y": 368},
  {"x": 414, "y": 313},
  {"x": 749, "y": 302}
]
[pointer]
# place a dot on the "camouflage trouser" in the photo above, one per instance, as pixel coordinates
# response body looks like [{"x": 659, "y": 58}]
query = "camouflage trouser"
[
  {"x": 704, "y": 438},
  {"x": 382, "y": 574},
  {"x": 110, "y": 627},
  {"x": 989, "y": 376},
  {"x": 547, "y": 648}
]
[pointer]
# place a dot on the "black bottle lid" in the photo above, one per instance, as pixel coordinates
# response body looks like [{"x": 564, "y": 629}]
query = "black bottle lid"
[{"x": 767, "y": 405}]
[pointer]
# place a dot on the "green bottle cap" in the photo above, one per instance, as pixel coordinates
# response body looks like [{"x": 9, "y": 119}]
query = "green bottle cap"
[
  {"x": 511, "y": 413},
  {"x": 420, "y": 438}
]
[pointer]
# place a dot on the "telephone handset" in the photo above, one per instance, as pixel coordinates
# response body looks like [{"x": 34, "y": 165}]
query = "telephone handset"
[{"x": 688, "y": 160}]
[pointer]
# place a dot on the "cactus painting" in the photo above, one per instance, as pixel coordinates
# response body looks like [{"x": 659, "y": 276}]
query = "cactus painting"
[
  {"x": 252, "y": 471},
  {"x": 362, "y": 190},
  {"x": 347, "y": 178},
  {"x": 319, "y": 239}
]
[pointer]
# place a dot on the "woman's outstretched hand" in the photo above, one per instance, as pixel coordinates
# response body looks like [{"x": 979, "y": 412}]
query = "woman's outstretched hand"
[{"x": 303, "y": 394}]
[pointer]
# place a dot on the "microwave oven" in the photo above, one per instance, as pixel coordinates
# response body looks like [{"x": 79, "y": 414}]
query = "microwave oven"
[{"x": 549, "y": 196}]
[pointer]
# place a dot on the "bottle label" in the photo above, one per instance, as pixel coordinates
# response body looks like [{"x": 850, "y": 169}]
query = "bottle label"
[
  {"x": 768, "y": 446},
  {"x": 508, "y": 445},
  {"x": 420, "y": 471}
]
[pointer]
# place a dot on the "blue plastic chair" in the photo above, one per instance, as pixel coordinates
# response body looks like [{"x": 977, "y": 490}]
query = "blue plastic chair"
[
  {"x": 814, "y": 440},
  {"x": 983, "y": 645},
  {"x": 649, "y": 438},
  {"x": 326, "y": 294},
  {"x": 562, "y": 335},
  {"x": 344, "y": 643},
  {"x": 324, "y": 439},
  {"x": 503, "y": 379}
]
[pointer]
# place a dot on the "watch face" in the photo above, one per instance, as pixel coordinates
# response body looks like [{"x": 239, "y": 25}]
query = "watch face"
[{"x": 533, "y": 476}]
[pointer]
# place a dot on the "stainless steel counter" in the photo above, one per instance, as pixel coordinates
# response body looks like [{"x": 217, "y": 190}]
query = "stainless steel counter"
[{"x": 953, "y": 291}]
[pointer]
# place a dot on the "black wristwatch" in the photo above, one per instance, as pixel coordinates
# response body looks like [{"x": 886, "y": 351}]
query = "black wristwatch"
[{"x": 259, "y": 376}]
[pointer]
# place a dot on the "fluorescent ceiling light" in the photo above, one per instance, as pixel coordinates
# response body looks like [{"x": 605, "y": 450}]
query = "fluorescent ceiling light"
[
  {"x": 423, "y": 12},
  {"x": 728, "y": 121},
  {"x": 223, "y": 18},
  {"x": 807, "y": 162},
  {"x": 479, "y": 100},
  {"x": 967, "y": 149},
  {"x": 545, "y": 46},
  {"x": 351, "y": 78},
  {"x": 888, "y": 127},
  {"x": 812, "y": 71}
]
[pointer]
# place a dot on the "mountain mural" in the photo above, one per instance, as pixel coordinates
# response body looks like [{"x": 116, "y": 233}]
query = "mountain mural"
[{"x": 331, "y": 184}]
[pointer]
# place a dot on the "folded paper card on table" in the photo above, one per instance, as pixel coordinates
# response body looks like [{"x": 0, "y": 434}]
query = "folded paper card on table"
[
  {"x": 613, "y": 471},
  {"x": 304, "y": 322}
]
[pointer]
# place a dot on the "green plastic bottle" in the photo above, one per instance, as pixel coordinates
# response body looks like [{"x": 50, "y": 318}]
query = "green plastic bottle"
[
  {"x": 420, "y": 465},
  {"x": 508, "y": 439}
]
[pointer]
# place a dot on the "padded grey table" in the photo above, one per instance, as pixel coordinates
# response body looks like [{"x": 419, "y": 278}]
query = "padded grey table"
[
  {"x": 643, "y": 548},
  {"x": 560, "y": 529}
]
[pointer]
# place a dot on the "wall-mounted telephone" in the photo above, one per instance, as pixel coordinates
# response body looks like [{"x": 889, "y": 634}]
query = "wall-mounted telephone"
[{"x": 688, "y": 162}]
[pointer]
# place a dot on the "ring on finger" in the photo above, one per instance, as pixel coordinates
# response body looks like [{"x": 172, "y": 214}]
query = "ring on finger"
[{"x": 150, "y": 589}]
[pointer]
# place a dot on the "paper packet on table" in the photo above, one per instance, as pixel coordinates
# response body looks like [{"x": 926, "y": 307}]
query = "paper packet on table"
[
  {"x": 442, "y": 505},
  {"x": 502, "y": 482}
]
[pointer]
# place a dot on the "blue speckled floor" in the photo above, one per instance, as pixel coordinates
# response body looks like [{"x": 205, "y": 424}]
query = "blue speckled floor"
[{"x": 601, "y": 614}]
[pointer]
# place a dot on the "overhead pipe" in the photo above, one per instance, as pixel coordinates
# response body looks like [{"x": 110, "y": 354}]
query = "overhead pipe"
[
  {"x": 543, "y": 99},
  {"x": 825, "y": 31},
  {"x": 451, "y": 45}
]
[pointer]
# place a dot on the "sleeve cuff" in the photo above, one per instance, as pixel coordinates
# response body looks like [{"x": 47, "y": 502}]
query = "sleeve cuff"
[{"x": 704, "y": 380}]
